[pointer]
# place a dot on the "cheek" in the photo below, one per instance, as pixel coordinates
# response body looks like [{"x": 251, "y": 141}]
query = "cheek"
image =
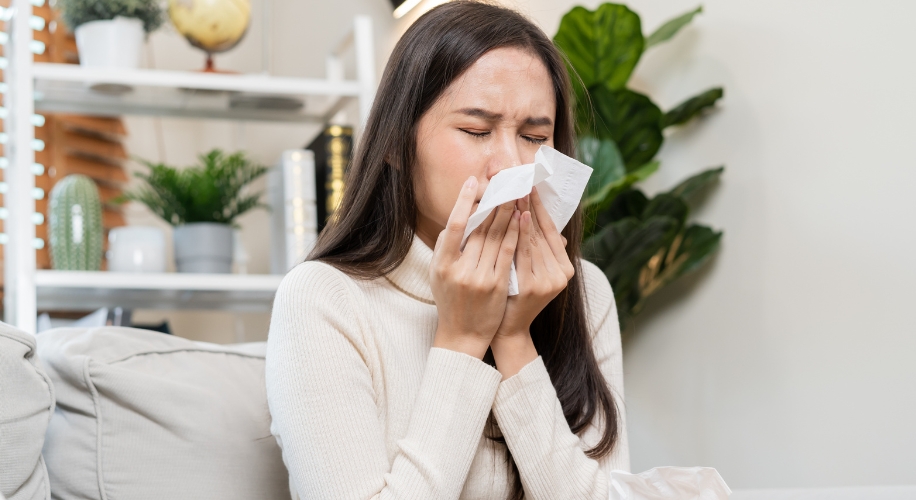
[{"x": 444, "y": 163}]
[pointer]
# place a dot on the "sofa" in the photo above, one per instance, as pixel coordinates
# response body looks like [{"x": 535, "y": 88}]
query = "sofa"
[
  {"x": 113, "y": 413},
  {"x": 119, "y": 413}
]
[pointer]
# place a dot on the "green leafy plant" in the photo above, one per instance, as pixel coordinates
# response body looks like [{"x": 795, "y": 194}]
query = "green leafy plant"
[
  {"x": 77, "y": 12},
  {"x": 641, "y": 244},
  {"x": 210, "y": 192}
]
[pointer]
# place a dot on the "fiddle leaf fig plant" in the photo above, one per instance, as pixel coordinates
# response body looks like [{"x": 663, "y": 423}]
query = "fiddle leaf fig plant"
[{"x": 641, "y": 244}]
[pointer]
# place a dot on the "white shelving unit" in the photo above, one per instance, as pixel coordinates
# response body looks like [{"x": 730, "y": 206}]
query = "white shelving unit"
[
  {"x": 31, "y": 88},
  {"x": 89, "y": 290}
]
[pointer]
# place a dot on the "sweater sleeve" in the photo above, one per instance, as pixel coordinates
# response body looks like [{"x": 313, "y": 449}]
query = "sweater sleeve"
[
  {"x": 323, "y": 406},
  {"x": 551, "y": 459}
]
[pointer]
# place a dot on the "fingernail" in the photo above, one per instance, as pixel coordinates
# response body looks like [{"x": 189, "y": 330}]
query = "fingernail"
[
  {"x": 516, "y": 215},
  {"x": 471, "y": 182}
]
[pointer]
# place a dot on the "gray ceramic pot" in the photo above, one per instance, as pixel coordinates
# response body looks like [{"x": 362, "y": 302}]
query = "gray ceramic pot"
[{"x": 203, "y": 247}]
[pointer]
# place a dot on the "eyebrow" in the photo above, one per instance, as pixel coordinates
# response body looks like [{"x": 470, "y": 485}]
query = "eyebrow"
[{"x": 491, "y": 116}]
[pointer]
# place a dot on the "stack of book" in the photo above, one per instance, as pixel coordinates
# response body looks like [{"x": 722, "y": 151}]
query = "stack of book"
[
  {"x": 333, "y": 148},
  {"x": 294, "y": 225},
  {"x": 305, "y": 189}
]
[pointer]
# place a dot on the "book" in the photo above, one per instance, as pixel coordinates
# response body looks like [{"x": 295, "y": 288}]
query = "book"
[
  {"x": 333, "y": 149},
  {"x": 294, "y": 224}
]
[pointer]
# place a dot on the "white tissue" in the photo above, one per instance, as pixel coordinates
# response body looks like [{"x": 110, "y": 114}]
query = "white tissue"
[
  {"x": 669, "y": 483},
  {"x": 560, "y": 181}
]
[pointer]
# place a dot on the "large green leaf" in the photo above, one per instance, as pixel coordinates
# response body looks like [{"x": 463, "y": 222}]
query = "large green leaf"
[
  {"x": 596, "y": 205},
  {"x": 631, "y": 120},
  {"x": 697, "y": 182},
  {"x": 605, "y": 160},
  {"x": 670, "y": 28},
  {"x": 641, "y": 244},
  {"x": 622, "y": 249},
  {"x": 585, "y": 116},
  {"x": 692, "y": 107},
  {"x": 684, "y": 253},
  {"x": 601, "y": 248},
  {"x": 630, "y": 203},
  {"x": 668, "y": 206},
  {"x": 603, "y": 46},
  {"x": 605, "y": 195},
  {"x": 698, "y": 245},
  {"x": 647, "y": 247}
]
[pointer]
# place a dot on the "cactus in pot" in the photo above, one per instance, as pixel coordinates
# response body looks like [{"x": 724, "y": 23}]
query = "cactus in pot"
[{"x": 75, "y": 224}]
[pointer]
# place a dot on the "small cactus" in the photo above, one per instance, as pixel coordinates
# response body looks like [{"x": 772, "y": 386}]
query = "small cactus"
[{"x": 75, "y": 224}]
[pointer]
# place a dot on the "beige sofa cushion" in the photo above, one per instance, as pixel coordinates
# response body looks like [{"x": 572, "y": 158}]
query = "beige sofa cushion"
[
  {"x": 144, "y": 415},
  {"x": 26, "y": 403}
]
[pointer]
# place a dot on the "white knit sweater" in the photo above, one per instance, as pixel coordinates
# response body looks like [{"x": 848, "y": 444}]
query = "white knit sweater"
[{"x": 363, "y": 407}]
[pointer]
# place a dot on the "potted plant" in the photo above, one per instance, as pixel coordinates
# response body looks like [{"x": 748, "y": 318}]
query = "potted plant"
[
  {"x": 110, "y": 33},
  {"x": 642, "y": 244},
  {"x": 202, "y": 203}
]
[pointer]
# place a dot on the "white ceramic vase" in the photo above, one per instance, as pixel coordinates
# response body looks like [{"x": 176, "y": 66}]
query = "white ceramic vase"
[
  {"x": 114, "y": 43},
  {"x": 203, "y": 247},
  {"x": 136, "y": 249}
]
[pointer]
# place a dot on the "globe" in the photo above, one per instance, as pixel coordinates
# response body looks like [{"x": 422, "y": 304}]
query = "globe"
[{"x": 211, "y": 25}]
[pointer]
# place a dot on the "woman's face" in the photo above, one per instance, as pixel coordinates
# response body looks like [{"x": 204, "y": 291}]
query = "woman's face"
[{"x": 494, "y": 116}]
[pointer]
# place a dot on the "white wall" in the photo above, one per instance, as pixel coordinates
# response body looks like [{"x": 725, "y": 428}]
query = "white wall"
[{"x": 790, "y": 360}]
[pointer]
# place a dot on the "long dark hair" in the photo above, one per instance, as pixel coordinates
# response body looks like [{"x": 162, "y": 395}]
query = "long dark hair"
[{"x": 372, "y": 230}]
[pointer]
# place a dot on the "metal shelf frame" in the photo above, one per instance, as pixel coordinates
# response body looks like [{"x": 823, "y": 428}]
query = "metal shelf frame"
[{"x": 24, "y": 92}]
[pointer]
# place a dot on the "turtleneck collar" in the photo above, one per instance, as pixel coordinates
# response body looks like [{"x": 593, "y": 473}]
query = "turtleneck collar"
[{"x": 412, "y": 276}]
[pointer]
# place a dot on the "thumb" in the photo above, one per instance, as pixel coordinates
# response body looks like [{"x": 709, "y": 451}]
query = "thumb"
[{"x": 439, "y": 241}]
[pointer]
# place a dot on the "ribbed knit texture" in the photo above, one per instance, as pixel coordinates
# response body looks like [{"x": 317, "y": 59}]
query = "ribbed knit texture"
[{"x": 364, "y": 408}]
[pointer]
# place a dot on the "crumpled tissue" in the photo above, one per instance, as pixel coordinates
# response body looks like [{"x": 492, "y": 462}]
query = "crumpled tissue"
[
  {"x": 560, "y": 181},
  {"x": 669, "y": 483}
]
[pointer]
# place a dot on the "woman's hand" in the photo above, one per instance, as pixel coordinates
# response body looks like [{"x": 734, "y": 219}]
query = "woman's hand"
[
  {"x": 543, "y": 270},
  {"x": 471, "y": 286}
]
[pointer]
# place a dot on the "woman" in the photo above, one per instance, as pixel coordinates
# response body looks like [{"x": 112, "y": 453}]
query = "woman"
[{"x": 397, "y": 366}]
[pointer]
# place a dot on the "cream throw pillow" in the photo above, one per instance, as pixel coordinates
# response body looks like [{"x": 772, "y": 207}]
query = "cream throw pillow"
[
  {"x": 26, "y": 403},
  {"x": 144, "y": 415}
]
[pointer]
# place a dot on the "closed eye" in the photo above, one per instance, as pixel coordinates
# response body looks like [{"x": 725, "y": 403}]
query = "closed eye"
[
  {"x": 475, "y": 134},
  {"x": 535, "y": 140}
]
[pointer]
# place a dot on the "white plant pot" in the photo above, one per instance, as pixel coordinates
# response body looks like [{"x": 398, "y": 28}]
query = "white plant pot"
[
  {"x": 136, "y": 249},
  {"x": 114, "y": 43},
  {"x": 203, "y": 247}
]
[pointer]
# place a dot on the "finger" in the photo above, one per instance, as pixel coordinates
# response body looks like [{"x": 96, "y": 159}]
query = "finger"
[
  {"x": 458, "y": 219},
  {"x": 537, "y": 244},
  {"x": 523, "y": 250},
  {"x": 476, "y": 239},
  {"x": 552, "y": 238},
  {"x": 439, "y": 239},
  {"x": 496, "y": 233},
  {"x": 535, "y": 224},
  {"x": 508, "y": 246},
  {"x": 543, "y": 262},
  {"x": 548, "y": 229}
]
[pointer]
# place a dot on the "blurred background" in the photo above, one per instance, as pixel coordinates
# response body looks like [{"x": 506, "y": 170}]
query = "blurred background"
[{"x": 787, "y": 358}]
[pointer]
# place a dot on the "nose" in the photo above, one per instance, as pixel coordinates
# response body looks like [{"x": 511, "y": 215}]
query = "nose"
[{"x": 505, "y": 154}]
